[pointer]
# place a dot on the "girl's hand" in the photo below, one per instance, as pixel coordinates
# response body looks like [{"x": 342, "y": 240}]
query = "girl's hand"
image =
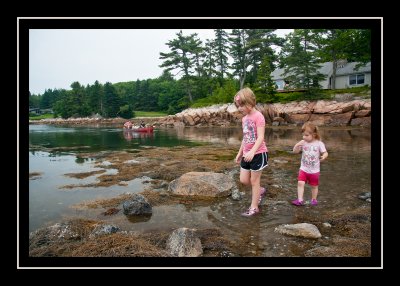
[
  {"x": 323, "y": 156},
  {"x": 249, "y": 156},
  {"x": 238, "y": 158},
  {"x": 299, "y": 146}
]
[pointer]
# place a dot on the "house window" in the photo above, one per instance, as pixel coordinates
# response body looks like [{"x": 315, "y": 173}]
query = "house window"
[
  {"x": 356, "y": 79},
  {"x": 279, "y": 84}
]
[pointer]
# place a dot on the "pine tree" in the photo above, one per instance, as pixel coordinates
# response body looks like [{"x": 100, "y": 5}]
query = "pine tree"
[
  {"x": 264, "y": 83},
  {"x": 112, "y": 100},
  {"x": 301, "y": 67},
  {"x": 220, "y": 53},
  {"x": 238, "y": 50},
  {"x": 183, "y": 57}
]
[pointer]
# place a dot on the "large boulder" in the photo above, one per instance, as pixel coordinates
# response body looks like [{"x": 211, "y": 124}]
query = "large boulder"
[{"x": 204, "y": 184}]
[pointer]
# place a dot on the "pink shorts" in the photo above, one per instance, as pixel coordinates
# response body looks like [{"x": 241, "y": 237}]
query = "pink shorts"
[{"x": 311, "y": 179}]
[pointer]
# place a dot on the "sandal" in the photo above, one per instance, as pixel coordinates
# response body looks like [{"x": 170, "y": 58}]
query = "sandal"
[
  {"x": 296, "y": 202},
  {"x": 251, "y": 212}
]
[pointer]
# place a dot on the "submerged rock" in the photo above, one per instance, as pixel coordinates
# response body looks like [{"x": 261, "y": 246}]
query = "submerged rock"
[
  {"x": 306, "y": 230},
  {"x": 138, "y": 205}
]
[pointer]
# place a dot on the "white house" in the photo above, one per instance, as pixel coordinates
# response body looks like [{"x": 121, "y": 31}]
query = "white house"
[{"x": 346, "y": 75}]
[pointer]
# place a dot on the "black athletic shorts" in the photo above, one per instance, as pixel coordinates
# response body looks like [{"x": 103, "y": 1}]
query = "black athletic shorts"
[{"x": 259, "y": 162}]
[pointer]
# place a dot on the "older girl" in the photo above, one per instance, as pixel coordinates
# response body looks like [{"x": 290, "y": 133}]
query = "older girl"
[{"x": 253, "y": 152}]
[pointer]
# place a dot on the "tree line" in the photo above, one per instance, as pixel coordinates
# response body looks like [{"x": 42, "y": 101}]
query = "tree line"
[{"x": 197, "y": 73}]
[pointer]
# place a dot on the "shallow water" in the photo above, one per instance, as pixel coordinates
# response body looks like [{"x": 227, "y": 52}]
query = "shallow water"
[{"x": 345, "y": 174}]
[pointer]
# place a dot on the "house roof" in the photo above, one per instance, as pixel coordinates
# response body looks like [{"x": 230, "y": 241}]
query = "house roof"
[
  {"x": 277, "y": 74},
  {"x": 349, "y": 68},
  {"x": 326, "y": 69}
]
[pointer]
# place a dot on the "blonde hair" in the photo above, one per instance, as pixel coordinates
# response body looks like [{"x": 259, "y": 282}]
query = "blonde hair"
[
  {"x": 245, "y": 96},
  {"x": 312, "y": 128}
]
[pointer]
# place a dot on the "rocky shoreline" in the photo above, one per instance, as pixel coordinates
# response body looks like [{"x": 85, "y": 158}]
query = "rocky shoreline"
[{"x": 354, "y": 112}]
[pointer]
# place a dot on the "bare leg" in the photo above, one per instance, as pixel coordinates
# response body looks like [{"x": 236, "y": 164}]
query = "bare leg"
[
  {"x": 314, "y": 192},
  {"x": 300, "y": 190},
  {"x": 245, "y": 177},
  {"x": 255, "y": 188}
]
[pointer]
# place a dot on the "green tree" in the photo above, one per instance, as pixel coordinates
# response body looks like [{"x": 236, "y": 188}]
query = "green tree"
[
  {"x": 45, "y": 100},
  {"x": 166, "y": 76},
  {"x": 264, "y": 83},
  {"x": 126, "y": 111},
  {"x": 208, "y": 81},
  {"x": 73, "y": 102},
  {"x": 66, "y": 106},
  {"x": 79, "y": 100},
  {"x": 301, "y": 67},
  {"x": 34, "y": 100},
  {"x": 359, "y": 50},
  {"x": 96, "y": 97},
  {"x": 112, "y": 100},
  {"x": 152, "y": 95},
  {"x": 220, "y": 47},
  {"x": 332, "y": 45},
  {"x": 238, "y": 51},
  {"x": 136, "y": 95},
  {"x": 182, "y": 57},
  {"x": 60, "y": 108},
  {"x": 259, "y": 45}
]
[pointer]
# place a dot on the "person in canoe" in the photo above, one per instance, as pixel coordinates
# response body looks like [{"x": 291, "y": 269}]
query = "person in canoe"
[
  {"x": 128, "y": 125},
  {"x": 142, "y": 124}
]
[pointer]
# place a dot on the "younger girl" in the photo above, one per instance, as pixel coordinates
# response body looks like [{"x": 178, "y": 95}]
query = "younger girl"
[
  {"x": 253, "y": 153},
  {"x": 314, "y": 152}
]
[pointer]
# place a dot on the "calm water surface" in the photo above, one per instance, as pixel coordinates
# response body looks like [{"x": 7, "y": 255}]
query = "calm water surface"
[{"x": 345, "y": 174}]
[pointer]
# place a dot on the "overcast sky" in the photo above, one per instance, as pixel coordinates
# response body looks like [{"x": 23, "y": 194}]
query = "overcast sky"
[{"x": 59, "y": 57}]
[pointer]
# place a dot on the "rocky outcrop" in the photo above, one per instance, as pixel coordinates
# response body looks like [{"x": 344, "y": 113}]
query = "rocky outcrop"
[
  {"x": 95, "y": 121},
  {"x": 202, "y": 184},
  {"x": 321, "y": 112},
  {"x": 339, "y": 112}
]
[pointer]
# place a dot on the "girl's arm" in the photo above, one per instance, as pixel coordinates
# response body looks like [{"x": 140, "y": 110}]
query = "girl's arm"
[
  {"x": 323, "y": 156},
  {"x": 298, "y": 147},
  {"x": 324, "y": 153},
  {"x": 239, "y": 154}
]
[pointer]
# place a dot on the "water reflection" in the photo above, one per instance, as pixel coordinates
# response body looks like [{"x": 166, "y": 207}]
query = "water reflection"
[
  {"x": 90, "y": 139},
  {"x": 129, "y": 135},
  {"x": 138, "y": 218},
  {"x": 224, "y": 135},
  {"x": 284, "y": 137}
]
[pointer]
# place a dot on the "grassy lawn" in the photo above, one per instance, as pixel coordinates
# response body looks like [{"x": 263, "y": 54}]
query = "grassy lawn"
[
  {"x": 149, "y": 114},
  {"x": 42, "y": 116}
]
